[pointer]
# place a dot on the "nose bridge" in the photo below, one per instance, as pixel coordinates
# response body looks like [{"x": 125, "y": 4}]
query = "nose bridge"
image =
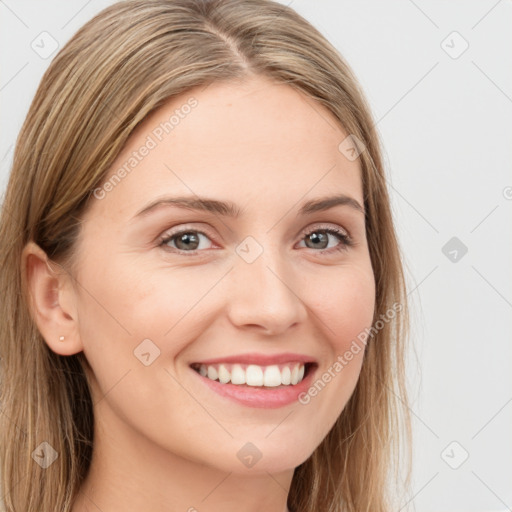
[{"x": 264, "y": 290}]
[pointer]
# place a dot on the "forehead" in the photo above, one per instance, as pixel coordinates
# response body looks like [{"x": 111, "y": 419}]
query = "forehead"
[{"x": 256, "y": 140}]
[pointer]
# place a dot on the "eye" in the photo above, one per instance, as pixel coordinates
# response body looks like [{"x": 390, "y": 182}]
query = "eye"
[
  {"x": 185, "y": 240},
  {"x": 319, "y": 239},
  {"x": 189, "y": 240}
]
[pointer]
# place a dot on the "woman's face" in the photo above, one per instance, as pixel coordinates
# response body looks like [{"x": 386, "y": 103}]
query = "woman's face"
[{"x": 165, "y": 291}]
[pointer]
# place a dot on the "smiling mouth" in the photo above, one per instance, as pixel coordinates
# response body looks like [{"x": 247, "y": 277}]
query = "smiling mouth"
[{"x": 252, "y": 375}]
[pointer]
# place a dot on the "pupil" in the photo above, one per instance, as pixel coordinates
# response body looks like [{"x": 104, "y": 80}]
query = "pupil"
[
  {"x": 188, "y": 239},
  {"x": 316, "y": 237}
]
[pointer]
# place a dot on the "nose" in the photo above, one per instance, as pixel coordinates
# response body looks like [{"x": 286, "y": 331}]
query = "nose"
[{"x": 265, "y": 295}]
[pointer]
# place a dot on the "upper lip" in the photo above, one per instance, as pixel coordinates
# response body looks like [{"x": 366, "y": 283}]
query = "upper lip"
[{"x": 260, "y": 359}]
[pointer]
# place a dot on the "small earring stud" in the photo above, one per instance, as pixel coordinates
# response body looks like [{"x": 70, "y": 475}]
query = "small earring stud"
[{"x": 61, "y": 338}]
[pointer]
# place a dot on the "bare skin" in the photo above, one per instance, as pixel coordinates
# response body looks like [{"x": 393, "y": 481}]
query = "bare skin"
[{"x": 164, "y": 441}]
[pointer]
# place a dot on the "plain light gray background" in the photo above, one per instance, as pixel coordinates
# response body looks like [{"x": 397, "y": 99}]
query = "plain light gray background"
[{"x": 438, "y": 77}]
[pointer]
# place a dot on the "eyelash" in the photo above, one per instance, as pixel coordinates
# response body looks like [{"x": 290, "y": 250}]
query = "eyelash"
[{"x": 346, "y": 241}]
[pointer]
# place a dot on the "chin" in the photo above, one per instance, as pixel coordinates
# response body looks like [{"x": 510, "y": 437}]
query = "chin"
[{"x": 263, "y": 456}]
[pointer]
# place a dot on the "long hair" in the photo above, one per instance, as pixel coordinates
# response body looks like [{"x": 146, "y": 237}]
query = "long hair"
[{"x": 118, "y": 68}]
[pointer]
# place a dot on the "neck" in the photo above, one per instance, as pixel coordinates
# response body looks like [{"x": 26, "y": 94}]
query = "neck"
[{"x": 130, "y": 473}]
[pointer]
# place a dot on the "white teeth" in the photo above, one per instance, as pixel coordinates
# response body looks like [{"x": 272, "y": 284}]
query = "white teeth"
[
  {"x": 212, "y": 373},
  {"x": 295, "y": 375},
  {"x": 224, "y": 375},
  {"x": 254, "y": 375},
  {"x": 237, "y": 374},
  {"x": 272, "y": 376},
  {"x": 286, "y": 375}
]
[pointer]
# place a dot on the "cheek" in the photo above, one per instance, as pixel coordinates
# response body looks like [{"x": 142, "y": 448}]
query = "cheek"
[
  {"x": 168, "y": 305},
  {"x": 344, "y": 304},
  {"x": 127, "y": 303},
  {"x": 345, "y": 309}
]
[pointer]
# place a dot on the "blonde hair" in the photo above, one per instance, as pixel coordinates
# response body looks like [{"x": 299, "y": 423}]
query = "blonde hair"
[{"x": 122, "y": 65}]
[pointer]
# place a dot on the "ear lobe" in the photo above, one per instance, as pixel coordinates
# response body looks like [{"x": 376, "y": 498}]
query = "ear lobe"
[{"x": 51, "y": 299}]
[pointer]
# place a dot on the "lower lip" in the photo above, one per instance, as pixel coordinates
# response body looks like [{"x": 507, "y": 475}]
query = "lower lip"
[{"x": 264, "y": 398}]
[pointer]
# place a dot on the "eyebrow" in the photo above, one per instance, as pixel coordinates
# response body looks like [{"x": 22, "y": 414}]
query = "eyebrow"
[{"x": 230, "y": 209}]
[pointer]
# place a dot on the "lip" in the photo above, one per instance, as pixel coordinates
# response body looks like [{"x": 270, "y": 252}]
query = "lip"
[
  {"x": 260, "y": 359},
  {"x": 259, "y": 397}
]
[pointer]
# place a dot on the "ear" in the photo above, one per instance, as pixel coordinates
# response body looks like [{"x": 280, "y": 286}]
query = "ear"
[{"x": 51, "y": 297}]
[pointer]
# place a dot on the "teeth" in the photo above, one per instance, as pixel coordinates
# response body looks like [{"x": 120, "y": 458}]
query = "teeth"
[
  {"x": 295, "y": 375},
  {"x": 237, "y": 374},
  {"x": 272, "y": 376},
  {"x": 254, "y": 375},
  {"x": 224, "y": 375},
  {"x": 212, "y": 373},
  {"x": 286, "y": 375}
]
